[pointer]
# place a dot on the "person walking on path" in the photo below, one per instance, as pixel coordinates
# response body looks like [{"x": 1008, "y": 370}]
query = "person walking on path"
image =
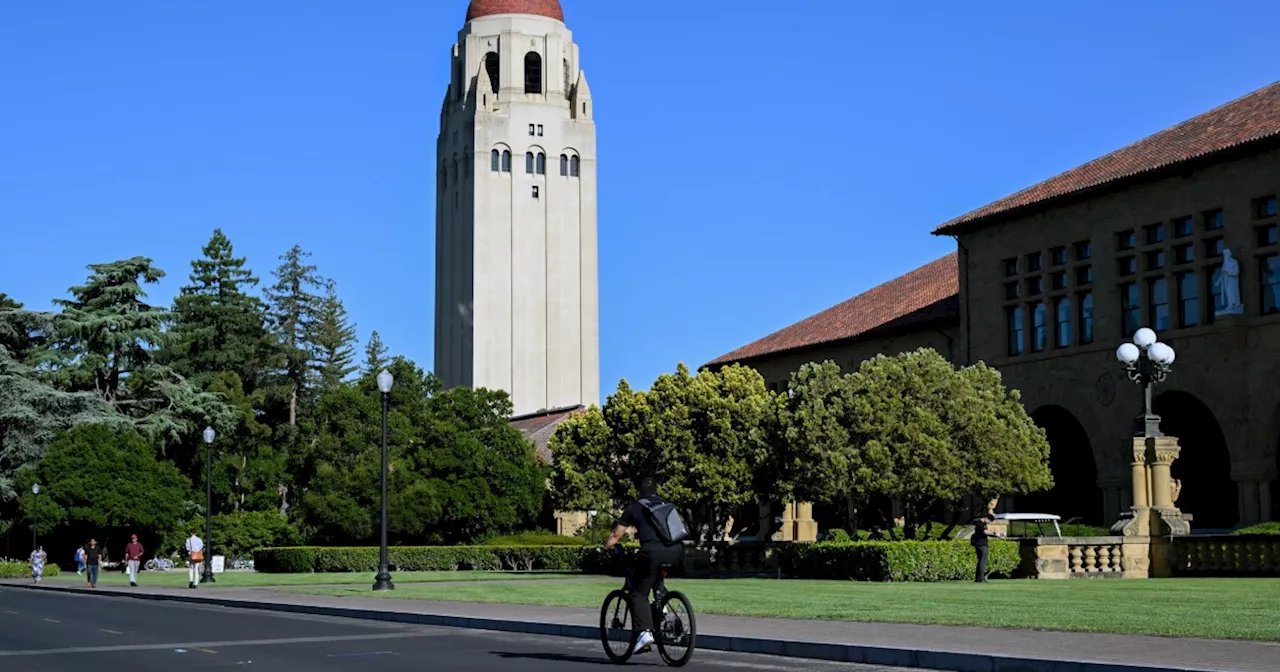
[
  {"x": 80, "y": 560},
  {"x": 195, "y": 551},
  {"x": 92, "y": 560},
  {"x": 133, "y": 555},
  {"x": 979, "y": 541},
  {"x": 38, "y": 558}
]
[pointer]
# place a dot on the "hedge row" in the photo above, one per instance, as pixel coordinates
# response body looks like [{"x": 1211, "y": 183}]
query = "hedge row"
[
  {"x": 433, "y": 558},
  {"x": 894, "y": 560},
  {"x": 22, "y": 570}
]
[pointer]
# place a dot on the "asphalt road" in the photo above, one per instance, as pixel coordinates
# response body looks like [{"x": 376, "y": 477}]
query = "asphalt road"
[{"x": 57, "y": 632}]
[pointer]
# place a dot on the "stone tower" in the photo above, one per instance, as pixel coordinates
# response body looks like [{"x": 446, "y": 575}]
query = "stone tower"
[{"x": 516, "y": 281}]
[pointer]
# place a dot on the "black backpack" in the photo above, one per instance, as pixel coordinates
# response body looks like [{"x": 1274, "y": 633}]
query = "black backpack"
[{"x": 666, "y": 521}]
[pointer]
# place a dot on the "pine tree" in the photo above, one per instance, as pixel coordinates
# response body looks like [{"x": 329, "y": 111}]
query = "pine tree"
[
  {"x": 218, "y": 325},
  {"x": 375, "y": 356},
  {"x": 333, "y": 341},
  {"x": 293, "y": 309}
]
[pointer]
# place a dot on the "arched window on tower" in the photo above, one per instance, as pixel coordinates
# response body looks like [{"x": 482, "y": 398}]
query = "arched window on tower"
[
  {"x": 466, "y": 163},
  {"x": 542, "y": 163},
  {"x": 573, "y": 165},
  {"x": 506, "y": 161},
  {"x": 491, "y": 66},
  {"x": 455, "y": 167},
  {"x": 564, "y": 165},
  {"x": 566, "y": 78},
  {"x": 532, "y": 72},
  {"x": 528, "y": 162},
  {"x": 495, "y": 161}
]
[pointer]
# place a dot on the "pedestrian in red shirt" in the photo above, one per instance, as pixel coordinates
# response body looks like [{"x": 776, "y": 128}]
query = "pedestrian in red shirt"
[{"x": 133, "y": 554}]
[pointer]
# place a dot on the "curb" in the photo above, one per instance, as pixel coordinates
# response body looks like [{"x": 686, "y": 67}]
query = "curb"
[{"x": 952, "y": 661}]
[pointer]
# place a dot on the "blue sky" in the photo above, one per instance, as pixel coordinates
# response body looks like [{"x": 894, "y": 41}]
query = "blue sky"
[{"x": 759, "y": 161}]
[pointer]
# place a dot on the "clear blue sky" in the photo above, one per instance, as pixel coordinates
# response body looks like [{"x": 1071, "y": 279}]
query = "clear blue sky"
[{"x": 810, "y": 147}]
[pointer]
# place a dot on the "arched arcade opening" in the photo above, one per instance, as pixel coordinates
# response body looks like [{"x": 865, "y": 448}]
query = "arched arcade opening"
[
  {"x": 1075, "y": 492},
  {"x": 1204, "y": 463}
]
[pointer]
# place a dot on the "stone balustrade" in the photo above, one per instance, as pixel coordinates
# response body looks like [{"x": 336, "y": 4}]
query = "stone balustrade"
[
  {"x": 1083, "y": 557},
  {"x": 1226, "y": 555}
]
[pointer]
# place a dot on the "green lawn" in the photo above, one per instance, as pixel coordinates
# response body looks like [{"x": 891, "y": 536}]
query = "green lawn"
[
  {"x": 178, "y": 578},
  {"x": 1217, "y": 608}
]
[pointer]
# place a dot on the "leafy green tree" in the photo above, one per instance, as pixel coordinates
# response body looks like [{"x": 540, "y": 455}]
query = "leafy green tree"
[
  {"x": 375, "y": 355},
  {"x": 106, "y": 482},
  {"x": 241, "y": 532},
  {"x": 107, "y": 337},
  {"x": 218, "y": 326},
  {"x": 333, "y": 341},
  {"x": 293, "y": 309}
]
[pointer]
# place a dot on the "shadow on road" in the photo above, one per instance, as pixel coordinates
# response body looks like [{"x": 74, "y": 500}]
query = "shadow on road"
[{"x": 558, "y": 657}]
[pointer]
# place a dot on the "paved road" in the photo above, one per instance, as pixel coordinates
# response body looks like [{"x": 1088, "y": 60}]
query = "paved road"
[{"x": 57, "y": 632}]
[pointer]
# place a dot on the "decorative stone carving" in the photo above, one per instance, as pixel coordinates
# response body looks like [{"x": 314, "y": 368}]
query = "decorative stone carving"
[
  {"x": 1228, "y": 284},
  {"x": 1104, "y": 389},
  {"x": 1175, "y": 489},
  {"x": 1167, "y": 456}
]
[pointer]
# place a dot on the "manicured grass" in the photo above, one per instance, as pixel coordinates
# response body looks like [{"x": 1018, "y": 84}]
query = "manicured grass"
[
  {"x": 1216, "y": 608},
  {"x": 178, "y": 578}
]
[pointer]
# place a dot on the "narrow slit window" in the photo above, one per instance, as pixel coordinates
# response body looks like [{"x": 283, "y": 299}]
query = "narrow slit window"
[
  {"x": 573, "y": 166},
  {"x": 495, "y": 161},
  {"x": 528, "y": 162},
  {"x": 564, "y": 165},
  {"x": 506, "y": 161},
  {"x": 542, "y": 163}
]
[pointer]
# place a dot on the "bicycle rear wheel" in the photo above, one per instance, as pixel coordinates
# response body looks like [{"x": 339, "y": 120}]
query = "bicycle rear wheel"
[
  {"x": 677, "y": 631},
  {"x": 615, "y": 626}
]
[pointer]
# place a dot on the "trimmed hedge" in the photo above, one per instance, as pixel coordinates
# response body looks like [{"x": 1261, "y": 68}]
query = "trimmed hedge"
[
  {"x": 894, "y": 560},
  {"x": 535, "y": 539},
  {"x": 1261, "y": 528},
  {"x": 22, "y": 570},
  {"x": 432, "y": 558}
]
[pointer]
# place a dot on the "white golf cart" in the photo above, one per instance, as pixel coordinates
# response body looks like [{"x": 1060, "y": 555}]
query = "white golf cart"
[{"x": 1002, "y": 526}]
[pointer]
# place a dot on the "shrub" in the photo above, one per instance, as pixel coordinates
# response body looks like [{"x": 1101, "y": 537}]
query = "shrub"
[
  {"x": 433, "y": 558},
  {"x": 536, "y": 539},
  {"x": 840, "y": 536},
  {"x": 22, "y": 570},
  {"x": 1075, "y": 530},
  {"x": 1261, "y": 528},
  {"x": 894, "y": 560}
]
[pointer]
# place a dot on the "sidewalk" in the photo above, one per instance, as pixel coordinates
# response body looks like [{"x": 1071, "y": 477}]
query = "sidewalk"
[{"x": 963, "y": 649}]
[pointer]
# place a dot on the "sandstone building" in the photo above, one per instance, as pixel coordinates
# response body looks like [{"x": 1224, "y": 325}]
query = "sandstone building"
[
  {"x": 1053, "y": 278},
  {"x": 516, "y": 304}
]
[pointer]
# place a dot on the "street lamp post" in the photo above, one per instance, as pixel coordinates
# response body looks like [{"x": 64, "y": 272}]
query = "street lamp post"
[
  {"x": 383, "y": 580},
  {"x": 1147, "y": 361},
  {"x": 35, "y": 515},
  {"x": 209, "y": 435}
]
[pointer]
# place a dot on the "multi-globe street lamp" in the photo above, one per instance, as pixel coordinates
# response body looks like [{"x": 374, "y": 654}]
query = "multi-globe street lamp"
[
  {"x": 1147, "y": 361},
  {"x": 383, "y": 580},
  {"x": 209, "y": 435},
  {"x": 35, "y": 515}
]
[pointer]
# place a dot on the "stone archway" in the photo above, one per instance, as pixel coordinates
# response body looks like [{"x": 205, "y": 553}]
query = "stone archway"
[
  {"x": 1075, "y": 492},
  {"x": 1204, "y": 463}
]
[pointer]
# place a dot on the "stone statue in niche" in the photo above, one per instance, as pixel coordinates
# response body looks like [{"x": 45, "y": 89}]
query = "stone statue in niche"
[
  {"x": 1175, "y": 489},
  {"x": 1228, "y": 284}
]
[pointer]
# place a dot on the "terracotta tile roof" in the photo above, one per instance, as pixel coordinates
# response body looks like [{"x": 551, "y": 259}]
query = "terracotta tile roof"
[
  {"x": 548, "y": 8},
  {"x": 538, "y": 428},
  {"x": 1250, "y": 118},
  {"x": 925, "y": 295}
]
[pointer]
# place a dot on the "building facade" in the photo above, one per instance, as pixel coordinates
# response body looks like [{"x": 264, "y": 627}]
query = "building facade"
[
  {"x": 1052, "y": 279},
  {"x": 516, "y": 254}
]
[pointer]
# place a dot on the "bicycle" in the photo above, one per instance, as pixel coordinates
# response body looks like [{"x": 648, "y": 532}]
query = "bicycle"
[
  {"x": 158, "y": 563},
  {"x": 673, "y": 631}
]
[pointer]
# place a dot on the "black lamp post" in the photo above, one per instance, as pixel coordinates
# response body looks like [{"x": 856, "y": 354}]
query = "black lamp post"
[
  {"x": 383, "y": 580},
  {"x": 209, "y": 436},
  {"x": 35, "y": 515},
  {"x": 1147, "y": 361}
]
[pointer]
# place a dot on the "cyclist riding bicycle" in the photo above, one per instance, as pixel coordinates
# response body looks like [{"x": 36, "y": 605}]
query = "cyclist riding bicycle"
[{"x": 655, "y": 552}]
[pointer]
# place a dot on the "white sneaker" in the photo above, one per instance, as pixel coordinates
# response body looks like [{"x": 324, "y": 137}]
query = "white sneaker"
[{"x": 643, "y": 642}]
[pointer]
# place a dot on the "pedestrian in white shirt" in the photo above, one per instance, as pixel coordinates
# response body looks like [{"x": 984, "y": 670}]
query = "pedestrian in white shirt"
[{"x": 195, "y": 550}]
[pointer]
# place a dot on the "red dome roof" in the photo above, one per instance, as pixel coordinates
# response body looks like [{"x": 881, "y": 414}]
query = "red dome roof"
[{"x": 548, "y": 8}]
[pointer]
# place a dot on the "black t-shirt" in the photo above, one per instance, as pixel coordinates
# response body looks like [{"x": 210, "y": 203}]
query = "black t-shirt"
[
  {"x": 979, "y": 533},
  {"x": 635, "y": 516}
]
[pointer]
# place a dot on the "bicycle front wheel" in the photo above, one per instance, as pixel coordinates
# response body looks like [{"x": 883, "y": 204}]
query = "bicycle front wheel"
[
  {"x": 615, "y": 626},
  {"x": 677, "y": 631}
]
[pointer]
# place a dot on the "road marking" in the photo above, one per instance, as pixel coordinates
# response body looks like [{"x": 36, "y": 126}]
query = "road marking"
[
  {"x": 9, "y": 612},
  {"x": 207, "y": 650},
  {"x": 52, "y": 621},
  {"x": 354, "y": 655},
  {"x": 211, "y": 645},
  {"x": 110, "y": 632}
]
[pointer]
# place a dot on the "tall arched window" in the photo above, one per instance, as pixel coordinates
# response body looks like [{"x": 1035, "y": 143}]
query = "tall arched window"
[
  {"x": 566, "y": 78},
  {"x": 532, "y": 72},
  {"x": 491, "y": 66},
  {"x": 542, "y": 163},
  {"x": 573, "y": 166},
  {"x": 564, "y": 165},
  {"x": 495, "y": 161},
  {"x": 528, "y": 162},
  {"x": 506, "y": 161}
]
